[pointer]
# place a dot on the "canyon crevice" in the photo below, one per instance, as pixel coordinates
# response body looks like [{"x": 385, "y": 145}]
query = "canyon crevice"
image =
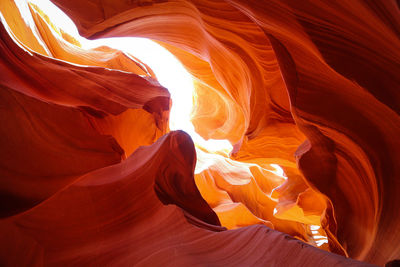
[{"x": 91, "y": 174}]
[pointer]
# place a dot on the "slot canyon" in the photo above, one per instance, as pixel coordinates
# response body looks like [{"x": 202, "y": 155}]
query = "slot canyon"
[{"x": 262, "y": 133}]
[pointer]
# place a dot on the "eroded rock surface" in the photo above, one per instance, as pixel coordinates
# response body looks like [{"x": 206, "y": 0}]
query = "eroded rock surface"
[{"x": 91, "y": 174}]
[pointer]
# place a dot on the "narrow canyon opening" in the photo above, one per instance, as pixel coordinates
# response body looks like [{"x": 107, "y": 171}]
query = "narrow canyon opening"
[
  {"x": 181, "y": 132},
  {"x": 168, "y": 70},
  {"x": 213, "y": 155}
]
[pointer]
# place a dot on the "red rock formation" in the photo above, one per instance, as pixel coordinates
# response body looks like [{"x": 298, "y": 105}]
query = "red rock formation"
[
  {"x": 309, "y": 86},
  {"x": 121, "y": 220}
]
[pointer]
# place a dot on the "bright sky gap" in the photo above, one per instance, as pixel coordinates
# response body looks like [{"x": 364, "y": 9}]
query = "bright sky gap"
[{"x": 169, "y": 71}]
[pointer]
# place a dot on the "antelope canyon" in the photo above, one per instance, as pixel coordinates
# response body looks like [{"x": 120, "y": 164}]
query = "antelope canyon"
[{"x": 199, "y": 132}]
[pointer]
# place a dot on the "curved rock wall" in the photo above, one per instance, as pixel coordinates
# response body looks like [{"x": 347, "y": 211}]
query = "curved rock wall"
[{"x": 92, "y": 175}]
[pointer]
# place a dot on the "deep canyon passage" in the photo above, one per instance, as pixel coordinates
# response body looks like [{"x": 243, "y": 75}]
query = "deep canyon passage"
[{"x": 288, "y": 153}]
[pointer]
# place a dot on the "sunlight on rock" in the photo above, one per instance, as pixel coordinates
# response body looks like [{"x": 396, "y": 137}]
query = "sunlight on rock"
[
  {"x": 318, "y": 238},
  {"x": 278, "y": 170},
  {"x": 169, "y": 71},
  {"x": 227, "y": 126}
]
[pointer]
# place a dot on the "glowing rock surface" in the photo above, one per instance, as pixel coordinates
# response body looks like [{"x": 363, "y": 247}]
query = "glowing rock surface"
[{"x": 306, "y": 93}]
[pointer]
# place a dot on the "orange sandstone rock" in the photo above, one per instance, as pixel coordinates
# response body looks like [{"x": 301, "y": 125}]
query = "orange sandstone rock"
[{"x": 312, "y": 87}]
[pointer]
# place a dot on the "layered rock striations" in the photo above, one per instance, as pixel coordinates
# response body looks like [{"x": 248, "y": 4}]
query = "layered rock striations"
[{"x": 306, "y": 92}]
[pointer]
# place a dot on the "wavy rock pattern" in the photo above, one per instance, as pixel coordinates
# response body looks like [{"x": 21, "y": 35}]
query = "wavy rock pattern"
[
  {"x": 91, "y": 175},
  {"x": 112, "y": 220}
]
